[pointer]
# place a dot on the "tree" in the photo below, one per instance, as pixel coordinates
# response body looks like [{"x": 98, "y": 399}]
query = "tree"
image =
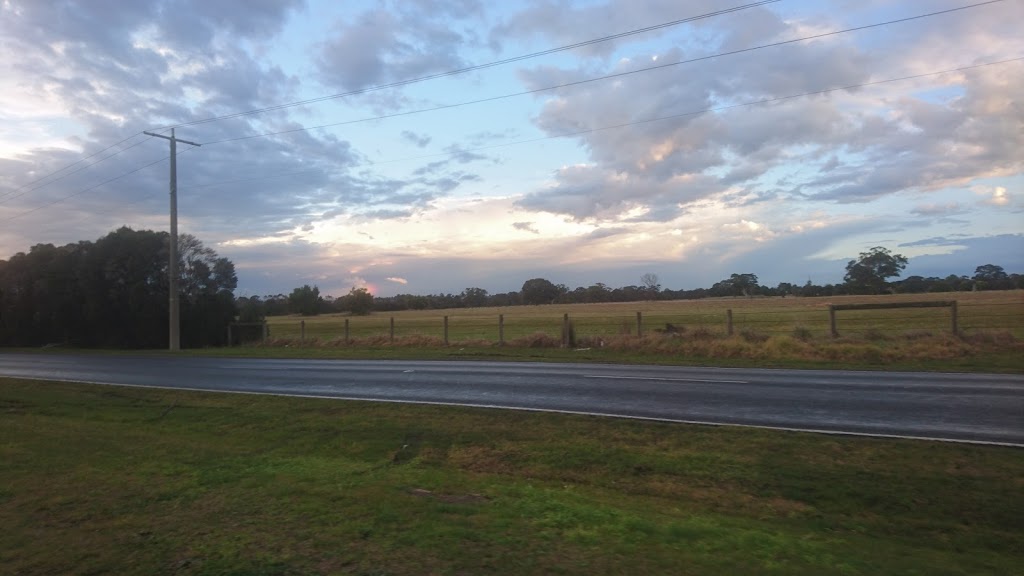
[
  {"x": 744, "y": 284},
  {"x": 990, "y": 277},
  {"x": 113, "y": 293},
  {"x": 868, "y": 273},
  {"x": 473, "y": 297},
  {"x": 305, "y": 301},
  {"x": 539, "y": 291},
  {"x": 651, "y": 284},
  {"x": 359, "y": 301}
]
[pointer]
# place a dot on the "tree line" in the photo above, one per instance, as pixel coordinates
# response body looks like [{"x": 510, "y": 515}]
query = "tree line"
[
  {"x": 114, "y": 293},
  {"x": 868, "y": 274}
]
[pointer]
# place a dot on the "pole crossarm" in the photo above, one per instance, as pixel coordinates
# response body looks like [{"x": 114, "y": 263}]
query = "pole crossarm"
[{"x": 170, "y": 138}]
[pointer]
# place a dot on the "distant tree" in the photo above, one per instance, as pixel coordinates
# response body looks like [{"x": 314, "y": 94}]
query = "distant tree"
[
  {"x": 250, "y": 309},
  {"x": 736, "y": 285},
  {"x": 868, "y": 273},
  {"x": 305, "y": 301},
  {"x": 786, "y": 289},
  {"x": 598, "y": 293},
  {"x": 359, "y": 301},
  {"x": 539, "y": 291},
  {"x": 744, "y": 284},
  {"x": 651, "y": 283},
  {"x": 990, "y": 277},
  {"x": 474, "y": 297},
  {"x": 989, "y": 272}
]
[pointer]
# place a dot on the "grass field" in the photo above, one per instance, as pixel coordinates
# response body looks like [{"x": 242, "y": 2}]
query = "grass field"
[
  {"x": 781, "y": 332},
  {"x": 118, "y": 480},
  {"x": 978, "y": 311}
]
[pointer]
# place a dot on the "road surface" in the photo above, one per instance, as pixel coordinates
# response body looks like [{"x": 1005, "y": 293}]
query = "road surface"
[{"x": 982, "y": 408}]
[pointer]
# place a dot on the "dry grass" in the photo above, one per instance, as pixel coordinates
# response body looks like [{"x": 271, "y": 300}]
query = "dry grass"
[
  {"x": 765, "y": 329},
  {"x": 978, "y": 312}
]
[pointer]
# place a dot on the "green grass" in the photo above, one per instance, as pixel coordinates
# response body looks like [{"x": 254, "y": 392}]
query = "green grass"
[{"x": 100, "y": 479}]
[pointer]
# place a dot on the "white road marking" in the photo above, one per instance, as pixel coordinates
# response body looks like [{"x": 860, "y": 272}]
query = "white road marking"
[
  {"x": 665, "y": 379},
  {"x": 530, "y": 409}
]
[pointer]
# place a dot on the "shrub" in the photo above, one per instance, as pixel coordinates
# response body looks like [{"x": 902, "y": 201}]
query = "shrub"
[
  {"x": 536, "y": 340},
  {"x": 753, "y": 336},
  {"x": 802, "y": 333}
]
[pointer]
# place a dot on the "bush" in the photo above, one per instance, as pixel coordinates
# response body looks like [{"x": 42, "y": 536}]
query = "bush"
[
  {"x": 753, "y": 336},
  {"x": 802, "y": 333}
]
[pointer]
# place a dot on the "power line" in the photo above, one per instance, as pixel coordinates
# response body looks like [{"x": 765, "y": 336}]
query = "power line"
[
  {"x": 599, "y": 78},
  {"x": 763, "y": 101},
  {"x": 458, "y": 71},
  {"x": 623, "y": 125},
  {"x": 542, "y": 138},
  {"x": 90, "y": 188},
  {"x": 376, "y": 88},
  {"x": 27, "y": 184}
]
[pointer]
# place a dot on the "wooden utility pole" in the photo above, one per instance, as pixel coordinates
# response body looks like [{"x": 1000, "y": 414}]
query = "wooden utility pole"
[{"x": 174, "y": 315}]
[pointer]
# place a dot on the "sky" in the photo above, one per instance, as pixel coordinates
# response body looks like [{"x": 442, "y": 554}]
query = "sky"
[{"x": 753, "y": 141}]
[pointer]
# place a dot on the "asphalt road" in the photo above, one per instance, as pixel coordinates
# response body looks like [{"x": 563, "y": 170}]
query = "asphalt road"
[{"x": 955, "y": 407}]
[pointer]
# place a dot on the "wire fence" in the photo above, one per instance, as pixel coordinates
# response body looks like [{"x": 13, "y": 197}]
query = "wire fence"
[{"x": 905, "y": 319}]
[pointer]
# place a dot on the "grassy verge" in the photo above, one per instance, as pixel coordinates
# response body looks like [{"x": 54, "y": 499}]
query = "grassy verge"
[
  {"x": 118, "y": 480},
  {"x": 1000, "y": 361}
]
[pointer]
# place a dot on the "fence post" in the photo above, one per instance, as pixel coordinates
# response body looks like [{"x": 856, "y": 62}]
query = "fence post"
[
  {"x": 302, "y": 331},
  {"x": 230, "y": 342},
  {"x": 832, "y": 320},
  {"x": 266, "y": 332},
  {"x": 346, "y": 331},
  {"x": 565, "y": 330},
  {"x": 728, "y": 321},
  {"x": 639, "y": 324},
  {"x": 953, "y": 318},
  {"x": 501, "y": 329},
  {"x": 445, "y": 330},
  {"x": 391, "y": 337}
]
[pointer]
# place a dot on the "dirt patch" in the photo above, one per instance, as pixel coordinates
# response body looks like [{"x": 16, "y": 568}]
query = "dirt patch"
[{"x": 450, "y": 498}]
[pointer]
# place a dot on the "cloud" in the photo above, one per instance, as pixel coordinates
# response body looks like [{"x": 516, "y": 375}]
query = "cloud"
[
  {"x": 995, "y": 195},
  {"x": 526, "y": 227},
  {"x": 863, "y": 144},
  {"x": 397, "y": 280},
  {"x": 379, "y": 46},
  {"x": 420, "y": 141}
]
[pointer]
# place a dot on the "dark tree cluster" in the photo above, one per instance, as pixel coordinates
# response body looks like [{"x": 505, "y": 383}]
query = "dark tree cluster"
[{"x": 114, "y": 293}]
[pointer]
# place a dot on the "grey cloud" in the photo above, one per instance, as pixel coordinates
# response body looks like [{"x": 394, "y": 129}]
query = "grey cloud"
[
  {"x": 420, "y": 141},
  {"x": 526, "y": 227},
  {"x": 562, "y": 22},
  {"x": 938, "y": 209},
  {"x": 380, "y": 46}
]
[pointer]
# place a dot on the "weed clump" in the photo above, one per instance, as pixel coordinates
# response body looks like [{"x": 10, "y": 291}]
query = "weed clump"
[
  {"x": 802, "y": 333},
  {"x": 753, "y": 336},
  {"x": 535, "y": 340}
]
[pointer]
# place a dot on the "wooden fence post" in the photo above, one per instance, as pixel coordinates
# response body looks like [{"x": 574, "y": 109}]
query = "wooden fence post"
[
  {"x": 230, "y": 342},
  {"x": 565, "y": 330},
  {"x": 346, "y": 331},
  {"x": 445, "y": 330},
  {"x": 391, "y": 337},
  {"x": 832, "y": 320},
  {"x": 639, "y": 324},
  {"x": 953, "y": 318},
  {"x": 728, "y": 321},
  {"x": 501, "y": 329},
  {"x": 302, "y": 331},
  {"x": 266, "y": 331}
]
